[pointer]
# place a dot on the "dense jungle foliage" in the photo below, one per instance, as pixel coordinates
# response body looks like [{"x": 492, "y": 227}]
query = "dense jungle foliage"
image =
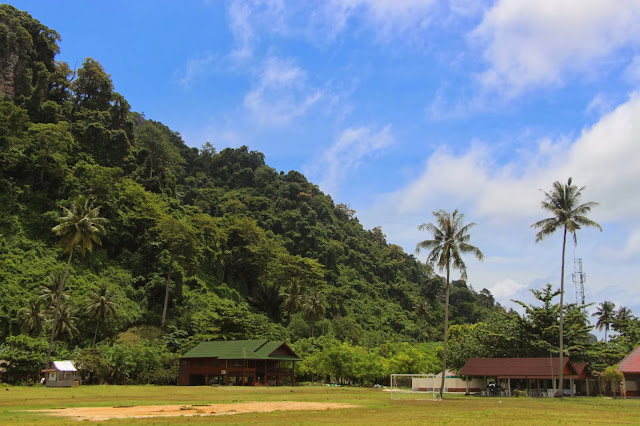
[
  {"x": 247, "y": 251},
  {"x": 244, "y": 250}
]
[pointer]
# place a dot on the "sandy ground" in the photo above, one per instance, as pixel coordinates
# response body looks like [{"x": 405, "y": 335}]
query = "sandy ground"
[{"x": 143, "y": 411}]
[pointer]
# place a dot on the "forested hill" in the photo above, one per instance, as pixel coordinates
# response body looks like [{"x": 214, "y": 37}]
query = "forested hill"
[{"x": 247, "y": 251}]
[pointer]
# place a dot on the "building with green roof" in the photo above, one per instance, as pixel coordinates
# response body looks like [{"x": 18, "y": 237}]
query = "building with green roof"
[{"x": 239, "y": 362}]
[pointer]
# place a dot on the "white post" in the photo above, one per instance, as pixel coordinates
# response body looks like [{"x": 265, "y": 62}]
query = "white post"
[
  {"x": 587, "y": 382},
  {"x": 508, "y": 386}
]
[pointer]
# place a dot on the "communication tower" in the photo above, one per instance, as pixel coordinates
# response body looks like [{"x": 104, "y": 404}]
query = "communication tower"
[{"x": 579, "y": 279}]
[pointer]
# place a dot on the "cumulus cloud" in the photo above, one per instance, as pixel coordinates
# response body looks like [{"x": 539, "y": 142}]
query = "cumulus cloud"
[
  {"x": 282, "y": 93},
  {"x": 346, "y": 154},
  {"x": 602, "y": 158},
  {"x": 506, "y": 288},
  {"x": 536, "y": 43}
]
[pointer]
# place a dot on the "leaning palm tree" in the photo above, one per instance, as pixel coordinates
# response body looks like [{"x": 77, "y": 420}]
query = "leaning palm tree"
[
  {"x": 80, "y": 227},
  {"x": 100, "y": 307},
  {"x": 567, "y": 214},
  {"x": 606, "y": 316},
  {"x": 33, "y": 318},
  {"x": 450, "y": 240}
]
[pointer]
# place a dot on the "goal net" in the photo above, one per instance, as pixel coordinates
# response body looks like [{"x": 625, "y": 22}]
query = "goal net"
[{"x": 415, "y": 386}]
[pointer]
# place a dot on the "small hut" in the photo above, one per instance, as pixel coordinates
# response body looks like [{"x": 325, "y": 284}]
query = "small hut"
[{"x": 62, "y": 374}]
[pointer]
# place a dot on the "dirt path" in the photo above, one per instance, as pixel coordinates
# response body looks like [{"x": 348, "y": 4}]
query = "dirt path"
[{"x": 143, "y": 411}]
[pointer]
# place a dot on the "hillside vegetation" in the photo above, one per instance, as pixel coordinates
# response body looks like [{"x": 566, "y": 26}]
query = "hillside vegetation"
[{"x": 246, "y": 251}]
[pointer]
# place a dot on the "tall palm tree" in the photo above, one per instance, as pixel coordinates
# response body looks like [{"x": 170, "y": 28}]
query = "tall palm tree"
[
  {"x": 33, "y": 317},
  {"x": 100, "y": 307},
  {"x": 606, "y": 315},
  {"x": 450, "y": 241},
  {"x": 423, "y": 311},
  {"x": 80, "y": 227},
  {"x": 567, "y": 214},
  {"x": 313, "y": 307},
  {"x": 292, "y": 298},
  {"x": 66, "y": 325},
  {"x": 49, "y": 292},
  {"x": 624, "y": 314}
]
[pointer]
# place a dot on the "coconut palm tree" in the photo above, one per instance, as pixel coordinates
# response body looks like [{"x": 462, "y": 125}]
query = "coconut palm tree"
[
  {"x": 33, "y": 317},
  {"x": 450, "y": 241},
  {"x": 567, "y": 214},
  {"x": 624, "y": 314},
  {"x": 66, "y": 328},
  {"x": 292, "y": 298},
  {"x": 80, "y": 227},
  {"x": 313, "y": 307},
  {"x": 49, "y": 292},
  {"x": 100, "y": 307},
  {"x": 606, "y": 316},
  {"x": 423, "y": 310}
]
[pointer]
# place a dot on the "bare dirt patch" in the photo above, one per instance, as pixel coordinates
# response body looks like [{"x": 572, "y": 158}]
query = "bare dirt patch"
[{"x": 144, "y": 411}]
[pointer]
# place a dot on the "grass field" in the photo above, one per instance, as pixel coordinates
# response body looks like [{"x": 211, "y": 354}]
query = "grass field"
[{"x": 372, "y": 406}]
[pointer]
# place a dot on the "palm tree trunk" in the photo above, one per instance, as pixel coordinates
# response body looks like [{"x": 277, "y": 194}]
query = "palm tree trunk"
[
  {"x": 95, "y": 334},
  {"x": 446, "y": 329},
  {"x": 166, "y": 295},
  {"x": 57, "y": 311},
  {"x": 561, "y": 351}
]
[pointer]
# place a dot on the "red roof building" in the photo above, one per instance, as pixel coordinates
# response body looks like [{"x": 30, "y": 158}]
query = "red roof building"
[
  {"x": 630, "y": 367},
  {"x": 535, "y": 375}
]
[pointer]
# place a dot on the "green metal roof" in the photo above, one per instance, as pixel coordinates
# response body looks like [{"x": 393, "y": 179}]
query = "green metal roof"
[{"x": 240, "y": 349}]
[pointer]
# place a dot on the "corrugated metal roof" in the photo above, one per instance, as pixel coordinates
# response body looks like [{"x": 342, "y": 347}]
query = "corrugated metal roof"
[
  {"x": 512, "y": 367},
  {"x": 631, "y": 363},
  {"x": 240, "y": 349},
  {"x": 64, "y": 366}
]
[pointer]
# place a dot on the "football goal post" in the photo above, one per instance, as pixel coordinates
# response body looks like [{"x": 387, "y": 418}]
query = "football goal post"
[{"x": 415, "y": 386}]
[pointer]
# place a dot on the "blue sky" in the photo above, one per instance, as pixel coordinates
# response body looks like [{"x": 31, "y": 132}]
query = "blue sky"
[{"x": 402, "y": 107}]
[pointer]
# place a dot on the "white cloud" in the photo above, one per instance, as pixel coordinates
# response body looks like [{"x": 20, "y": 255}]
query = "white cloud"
[
  {"x": 535, "y": 43},
  {"x": 347, "y": 153},
  {"x": 506, "y": 288},
  {"x": 602, "y": 158},
  {"x": 389, "y": 18},
  {"x": 195, "y": 68},
  {"x": 281, "y": 94},
  {"x": 599, "y": 105},
  {"x": 504, "y": 199},
  {"x": 630, "y": 250},
  {"x": 242, "y": 29},
  {"x": 632, "y": 73}
]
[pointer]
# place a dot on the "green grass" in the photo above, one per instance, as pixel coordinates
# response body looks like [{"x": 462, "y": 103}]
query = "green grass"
[{"x": 374, "y": 406}]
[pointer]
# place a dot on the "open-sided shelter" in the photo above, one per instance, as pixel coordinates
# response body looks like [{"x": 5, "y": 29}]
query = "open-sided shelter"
[
  {"x": 62, "y": 374},
  {"x": 535, "y": 375},
  {"x": 630, "y": 368},
  {"x": 239, "y": 362}
]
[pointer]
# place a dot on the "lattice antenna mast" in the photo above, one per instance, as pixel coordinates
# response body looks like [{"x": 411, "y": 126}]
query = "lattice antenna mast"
[{"x": 579, "y": 279}]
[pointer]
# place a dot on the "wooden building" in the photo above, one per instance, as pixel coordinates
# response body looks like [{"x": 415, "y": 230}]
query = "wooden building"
[
  {"x": 238, "y": 362},
  {"x": 62, "y": 374},
  {"x": 535, "y": 376},
  {"x": 630, "y": 368}
]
